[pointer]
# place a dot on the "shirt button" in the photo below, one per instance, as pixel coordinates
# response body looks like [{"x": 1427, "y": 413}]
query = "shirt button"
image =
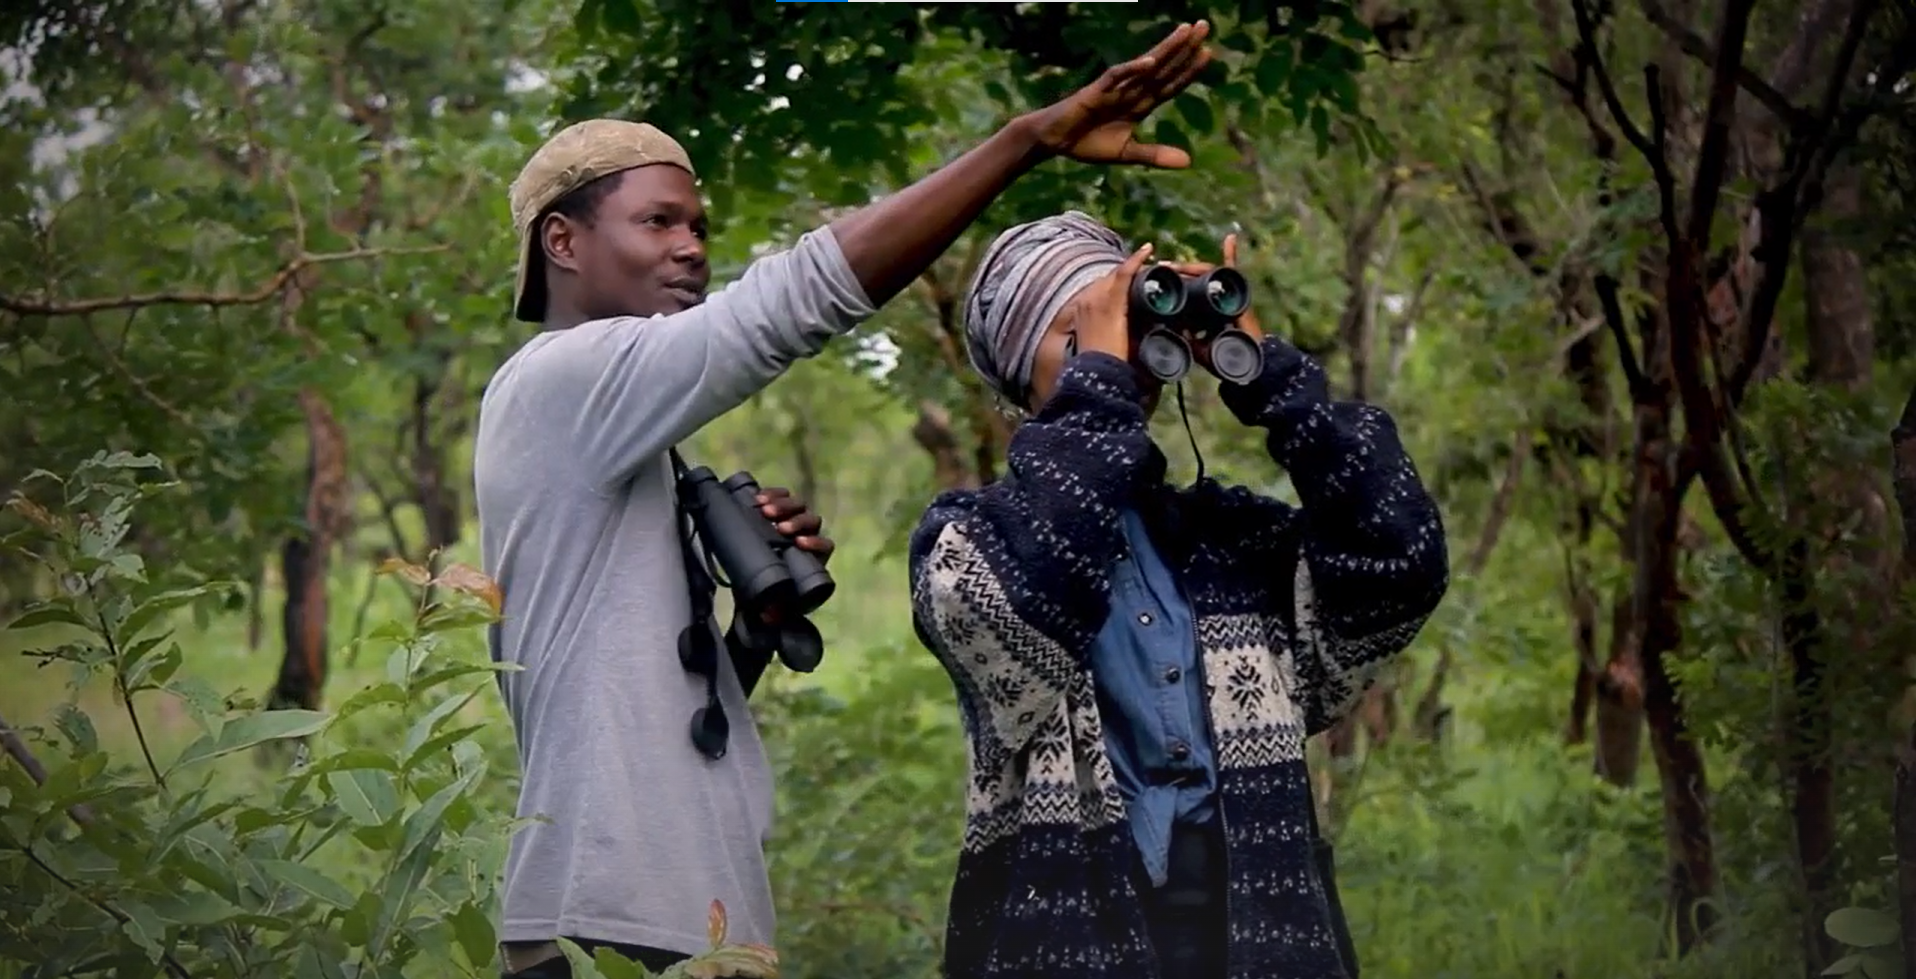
[
  {"x": 1180, "y": 751},
  {"x": 1144, "y": 618},
  {"x": 1173, "y": 675}
]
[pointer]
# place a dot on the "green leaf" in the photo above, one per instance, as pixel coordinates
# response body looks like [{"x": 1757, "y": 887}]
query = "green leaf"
[
  {"x": 1886, "y": 964},
  {"x": 1274, "y": 69},
  {"x": 425, "y": 822},
  {"x": 396, "y": 896},
  {"x": 146, "y": 612},
  {"x": 58, "y": 612},
  {"x": 472, "y": 928},
  {"x": 1197, "y": 111},
  {"x": 378, "y": 693},
  {"x": 252, "y": 730},
  {"x": 144, "y": 927},
  {"x": 367, "y": 796},
  {"x": 307, "y": 881},
  {"x": 1341, "y": 87},
  {"x": 351, "y": 758},
  {"x": 1321, "y": 128},
  {"x": 583, "y": 966},
  {"x": 78, "y": 729},
  {"x": 1861, "y": 927},
  {"x": 423, "y": 729},
  {"x": 612, "y": 965},
  {"x": 451, "y": 617},
  {"x": 1844, "y": 966}
]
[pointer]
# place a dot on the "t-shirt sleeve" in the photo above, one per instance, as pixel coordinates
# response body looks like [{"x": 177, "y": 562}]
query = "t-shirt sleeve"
[{"x": 637, "y": 386}]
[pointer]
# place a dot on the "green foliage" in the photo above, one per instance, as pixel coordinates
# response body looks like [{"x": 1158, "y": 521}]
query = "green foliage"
[
  {"x": 355, "y": 860},
  {"x": 1874, "y": 941}
]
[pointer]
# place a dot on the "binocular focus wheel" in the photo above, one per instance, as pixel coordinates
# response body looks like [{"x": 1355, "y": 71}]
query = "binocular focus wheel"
[
  {"x": 1235, "y": 358},
  {"x": 1165, "y": 354}
]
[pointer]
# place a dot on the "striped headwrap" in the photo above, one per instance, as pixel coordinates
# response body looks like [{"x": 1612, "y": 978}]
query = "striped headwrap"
[{"x": 1025, "y": 278}]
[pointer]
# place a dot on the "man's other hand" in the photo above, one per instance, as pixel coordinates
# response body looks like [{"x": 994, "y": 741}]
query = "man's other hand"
[
  {"x": 1098, "y": 123},
  {"x": 789, "y": 515}
]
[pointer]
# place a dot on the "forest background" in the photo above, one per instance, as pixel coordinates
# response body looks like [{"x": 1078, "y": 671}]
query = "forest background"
[{"x": 1635, "y": 280}]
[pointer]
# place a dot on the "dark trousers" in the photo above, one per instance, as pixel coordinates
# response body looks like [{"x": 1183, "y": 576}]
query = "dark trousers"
[
  {"x": 655, "y": 960},
  {"x": 1185, "y": 917}
]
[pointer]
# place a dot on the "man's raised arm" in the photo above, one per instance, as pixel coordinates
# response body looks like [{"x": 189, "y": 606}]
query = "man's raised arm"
[{"x": 648, "y": 386}]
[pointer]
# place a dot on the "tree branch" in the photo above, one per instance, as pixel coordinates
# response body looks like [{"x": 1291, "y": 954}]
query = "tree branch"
[
  {"x": 1694, "y": 45},
  {"x": 266, "y": 291},
  {"x": 1712, "y": 159},
  {"x": 1606, "y": 287},
  {"x": 17, "y": 748},
  {"x": 1586, "y": 53}
]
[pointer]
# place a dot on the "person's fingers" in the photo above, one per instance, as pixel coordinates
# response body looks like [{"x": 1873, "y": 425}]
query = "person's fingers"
[
  {"x": 767, "y": 494},
  {"x": 1178, "y": 37},
  {"x": 802, "y": 525},
  {"x": 1174, "y": 63},
  {"x": 1119, "y": 74},
  {"x": 1230, "y": 250},
  {"x": 1129, "y": 269},
  {"x": 1154, "y": 155},
  {"x": 821, "y": 546},
  {"x": 1170, "y": 80},
  {"x": 783, "y": 507}
]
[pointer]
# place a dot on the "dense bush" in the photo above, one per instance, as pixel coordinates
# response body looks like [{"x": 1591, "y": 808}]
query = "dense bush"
[{"x": 364, "y": 842}]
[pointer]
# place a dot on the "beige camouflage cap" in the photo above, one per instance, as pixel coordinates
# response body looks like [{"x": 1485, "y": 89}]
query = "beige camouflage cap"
[{"x": 572, "y": 158}]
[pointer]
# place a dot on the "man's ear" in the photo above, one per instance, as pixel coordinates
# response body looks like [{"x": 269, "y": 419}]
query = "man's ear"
[{"x": 558, "y": 236}]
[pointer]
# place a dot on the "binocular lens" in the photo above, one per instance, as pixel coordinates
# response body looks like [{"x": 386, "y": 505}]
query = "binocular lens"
[
  {"x": 1226, "y": 292},
  {"x": 1165, "y": 354},
  {"x": 1161, "y": 290},
  {"x": 1235, "y": 358}
]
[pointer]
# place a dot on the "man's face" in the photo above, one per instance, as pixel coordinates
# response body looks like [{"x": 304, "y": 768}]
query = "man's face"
[{"x": 643, "y": 253}]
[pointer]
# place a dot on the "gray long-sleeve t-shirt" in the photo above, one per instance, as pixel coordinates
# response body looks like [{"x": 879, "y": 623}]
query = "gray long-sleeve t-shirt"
[{"x": 576, "y": 523}]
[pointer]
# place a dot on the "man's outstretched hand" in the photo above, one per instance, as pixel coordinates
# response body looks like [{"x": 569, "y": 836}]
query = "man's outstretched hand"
[{"x": 1098, "y": 123}]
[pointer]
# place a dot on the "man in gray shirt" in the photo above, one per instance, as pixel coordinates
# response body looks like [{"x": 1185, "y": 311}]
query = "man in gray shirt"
[{"x": 640, "y": 831}]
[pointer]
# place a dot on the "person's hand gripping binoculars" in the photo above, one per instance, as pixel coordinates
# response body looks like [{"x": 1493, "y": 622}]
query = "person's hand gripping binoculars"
[{"x": 1162, "y": 317}]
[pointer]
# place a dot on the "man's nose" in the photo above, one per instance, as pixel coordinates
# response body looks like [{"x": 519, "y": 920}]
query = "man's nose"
[{"x": 689, "y": 250}]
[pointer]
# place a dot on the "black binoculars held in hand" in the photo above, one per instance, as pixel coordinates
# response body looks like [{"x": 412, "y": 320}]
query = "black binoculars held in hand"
[
  {"x": 774, "y": 583},
  {"x": 1170, "y": 312}
]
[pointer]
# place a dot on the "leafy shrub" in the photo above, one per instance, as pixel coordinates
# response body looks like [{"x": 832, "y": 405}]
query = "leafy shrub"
[{"x": 370, "y": 847}]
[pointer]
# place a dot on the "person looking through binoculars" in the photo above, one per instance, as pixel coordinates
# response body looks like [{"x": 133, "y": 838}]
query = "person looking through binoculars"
[
  {"x": 1138, "y": 665},
  {"x": 636, "y": 746}
]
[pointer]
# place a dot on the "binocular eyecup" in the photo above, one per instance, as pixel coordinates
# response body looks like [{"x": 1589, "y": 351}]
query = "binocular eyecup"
[
  {"x": 1171, "y": 311},
  {"x": 774, "y": 583}
]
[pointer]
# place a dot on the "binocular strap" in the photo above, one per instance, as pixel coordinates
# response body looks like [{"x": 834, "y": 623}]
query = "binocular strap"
[{"x": 703, "y": 590}]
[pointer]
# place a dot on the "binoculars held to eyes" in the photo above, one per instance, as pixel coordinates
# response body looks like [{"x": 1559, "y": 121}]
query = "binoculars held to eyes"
[
  {"x": 1169, "y": 313},
  {"x": 775, "y": 585}
]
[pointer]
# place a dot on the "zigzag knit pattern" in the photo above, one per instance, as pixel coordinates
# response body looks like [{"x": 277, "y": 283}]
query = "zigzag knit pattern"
[{"x": 1297, "y": 610}]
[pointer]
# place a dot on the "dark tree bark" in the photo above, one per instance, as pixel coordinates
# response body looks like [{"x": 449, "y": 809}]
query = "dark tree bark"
[
  {"x": 1903, "y": 806},
  {"x": 306, "y": 560}
]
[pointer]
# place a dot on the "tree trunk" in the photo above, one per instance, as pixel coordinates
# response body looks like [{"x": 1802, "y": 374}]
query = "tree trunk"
[
  {"x": 1618, "y": 688},
  {"x": 306, "y": 559},
  {"x": 1841, "y": 348},
  {"x": 933, "y": 433},
  {"x": 1903, "y": 468}
]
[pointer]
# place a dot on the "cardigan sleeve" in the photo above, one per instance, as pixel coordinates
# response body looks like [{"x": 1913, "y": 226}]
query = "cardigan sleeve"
[
  {"x": 1010, "y": 583},
  {"x": 1365, "y": 556}
]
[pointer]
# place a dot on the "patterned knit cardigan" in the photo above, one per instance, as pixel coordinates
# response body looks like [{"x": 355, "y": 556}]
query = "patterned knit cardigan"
[{"x": 1009, "y": 588}]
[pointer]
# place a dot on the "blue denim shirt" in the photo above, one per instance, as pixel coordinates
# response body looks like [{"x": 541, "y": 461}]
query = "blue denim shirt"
[{"x": 1151, "y": 698}]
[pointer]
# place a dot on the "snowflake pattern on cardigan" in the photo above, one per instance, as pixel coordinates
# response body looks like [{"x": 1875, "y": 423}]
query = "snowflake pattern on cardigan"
[{"x": 1009, "y": 587}]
